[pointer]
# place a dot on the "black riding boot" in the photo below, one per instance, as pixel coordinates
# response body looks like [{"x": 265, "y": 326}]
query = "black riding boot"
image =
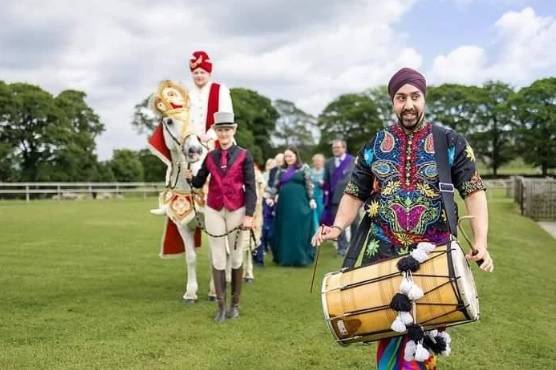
[
  {"x": 220, "y": 288},
  {"x": 237, "y": 279}
]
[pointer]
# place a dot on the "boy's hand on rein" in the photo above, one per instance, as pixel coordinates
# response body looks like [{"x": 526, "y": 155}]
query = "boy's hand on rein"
[{"x": 247, "y": 223}]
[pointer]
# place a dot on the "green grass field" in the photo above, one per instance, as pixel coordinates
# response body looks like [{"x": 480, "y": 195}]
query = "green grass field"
[
  {"x": 514, "y": 167},
  {"x": 83, "y": 288}
]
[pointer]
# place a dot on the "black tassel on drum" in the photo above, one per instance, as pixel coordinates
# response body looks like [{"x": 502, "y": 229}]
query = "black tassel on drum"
[
  {"x": 438, "y": 342},
  {"x": 400, "y": 302},
  {"x": 408, "y": 263}
]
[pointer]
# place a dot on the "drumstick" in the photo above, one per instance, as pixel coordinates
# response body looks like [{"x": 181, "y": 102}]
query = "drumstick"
[
  {"x": 467, "y": 239},
  {"x": 315, "y": 268}
]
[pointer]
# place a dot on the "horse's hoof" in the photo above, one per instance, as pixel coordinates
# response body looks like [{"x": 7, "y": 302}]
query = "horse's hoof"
[
  {"x": 212, "y": 298},
  {"x": 189, "y": 300}
]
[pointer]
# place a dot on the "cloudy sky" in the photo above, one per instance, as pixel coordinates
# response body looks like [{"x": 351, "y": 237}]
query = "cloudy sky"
[{"x": 305, "y": 51}]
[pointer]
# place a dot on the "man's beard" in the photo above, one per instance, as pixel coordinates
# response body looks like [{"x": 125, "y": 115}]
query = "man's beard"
[{"x": 410, "y": 118}]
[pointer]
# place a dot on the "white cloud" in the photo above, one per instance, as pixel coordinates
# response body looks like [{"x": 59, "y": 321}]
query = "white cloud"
[
  {"x": 305, "y": 51},
  {"x": 521, "y": 51},
  {"x": 116, "y": 51}
]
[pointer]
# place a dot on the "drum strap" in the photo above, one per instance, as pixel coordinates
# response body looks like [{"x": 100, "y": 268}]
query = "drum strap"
[
  {"x": 445, "y": 185},
  {"x": 357, "y": 242}
]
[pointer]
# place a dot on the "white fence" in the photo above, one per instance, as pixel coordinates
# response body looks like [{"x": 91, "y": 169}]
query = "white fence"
[
  {"x": 103, "y": 190},
  {"x": 76, "y": 190}
]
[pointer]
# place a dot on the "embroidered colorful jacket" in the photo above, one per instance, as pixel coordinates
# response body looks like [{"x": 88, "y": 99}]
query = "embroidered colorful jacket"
[{"x": 396, "y": 176}]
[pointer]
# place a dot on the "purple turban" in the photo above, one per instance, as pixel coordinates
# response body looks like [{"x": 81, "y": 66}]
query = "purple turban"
[{"x": 406, "y": 76}]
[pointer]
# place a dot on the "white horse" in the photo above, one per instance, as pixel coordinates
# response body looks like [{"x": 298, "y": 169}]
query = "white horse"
[{"x": 178, "y": 201}]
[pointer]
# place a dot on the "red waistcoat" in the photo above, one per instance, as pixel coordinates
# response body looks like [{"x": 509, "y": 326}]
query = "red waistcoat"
[{"x": 226, "y": 187}]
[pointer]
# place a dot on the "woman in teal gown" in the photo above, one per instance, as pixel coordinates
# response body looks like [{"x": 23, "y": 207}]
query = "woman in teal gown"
[
  {"x": 294, "y": 221},
  {"x": 317, "y": 177}
]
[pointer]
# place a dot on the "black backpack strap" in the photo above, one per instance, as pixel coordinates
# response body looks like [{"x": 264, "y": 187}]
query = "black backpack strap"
[
  {"x": 357, "y": 242},
  {"x": 445, "y": 185}
]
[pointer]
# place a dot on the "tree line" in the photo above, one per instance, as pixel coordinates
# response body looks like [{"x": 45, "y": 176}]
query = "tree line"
[{"x": 52, "y": 138}]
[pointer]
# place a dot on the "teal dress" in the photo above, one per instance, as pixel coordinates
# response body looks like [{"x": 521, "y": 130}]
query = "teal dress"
[
  {"x": 317, "y": 176},
  {"x": 293, "y": 224}
]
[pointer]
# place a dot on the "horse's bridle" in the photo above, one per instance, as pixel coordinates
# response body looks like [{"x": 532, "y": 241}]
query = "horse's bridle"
[
  {"x": 197, "y": 218},
  {"x": 179, "y": 144}
]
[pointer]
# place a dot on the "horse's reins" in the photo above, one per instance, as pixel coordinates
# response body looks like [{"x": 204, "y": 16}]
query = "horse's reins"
[{"x": 169, "y": 183}]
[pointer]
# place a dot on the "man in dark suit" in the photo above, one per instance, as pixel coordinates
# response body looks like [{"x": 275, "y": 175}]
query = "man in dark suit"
[{"x": 337, "y": 172}]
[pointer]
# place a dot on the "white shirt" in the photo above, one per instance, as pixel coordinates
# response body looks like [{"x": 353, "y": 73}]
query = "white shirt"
[
  {"x": 338, "y": 160},
  {"x": 199, "y": 104}
]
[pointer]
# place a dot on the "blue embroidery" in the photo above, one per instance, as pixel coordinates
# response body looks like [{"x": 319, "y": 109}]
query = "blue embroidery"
[
  {"x": 368, "y": 155},
  {"x": 451, "y": 155}
]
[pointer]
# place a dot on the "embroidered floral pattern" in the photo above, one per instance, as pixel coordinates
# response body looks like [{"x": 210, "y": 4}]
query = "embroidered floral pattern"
[
  {"x": 397, "y": 176},
  {"x": 372, "y": 208},
  {"x": 372, "y": 248},
  {"x": 473, "y": 185},
  {"x": 469, "y": 153},
  {"x": 352, "y": 189}
]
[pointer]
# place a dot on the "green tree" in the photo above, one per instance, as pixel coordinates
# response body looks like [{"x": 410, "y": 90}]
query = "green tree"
[
  {"x": 52, "y": 138},
  {"x": 154, "y": 170},
  {"x": 456, "y": 106},
  {"x": 104, "y": 172},
  {"x": 535, "y": 108},
  {"x": 294, "y": 127},
  {"x": 493, "y": 138},
  {"x": 351, "y": 117},
  {"x": 380, "y": 97},
  {"x": 76, "y": 159},
  {"x": 33, "y": 125},
  {"x": 126, "y": 166},
  {"x": 8, "y": 171},
  {"x": 256, "y": 118},
  {"x": 144, "y": 120}
]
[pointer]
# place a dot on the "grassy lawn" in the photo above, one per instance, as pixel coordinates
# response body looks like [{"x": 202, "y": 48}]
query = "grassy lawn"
[
  {"x": 514, "y": 167},
  {"x": 83, "y": 288}
]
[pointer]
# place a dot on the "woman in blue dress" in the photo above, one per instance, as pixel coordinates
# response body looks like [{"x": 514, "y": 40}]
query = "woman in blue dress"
[{"x": 317, "y": 177}]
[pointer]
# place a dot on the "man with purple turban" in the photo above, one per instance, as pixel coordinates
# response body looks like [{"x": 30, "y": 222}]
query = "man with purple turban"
[{"x": 396, "y": 179}]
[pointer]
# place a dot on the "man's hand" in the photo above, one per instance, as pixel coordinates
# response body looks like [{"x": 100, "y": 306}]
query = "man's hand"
[
  {"x": 247, "y": 222},
  {"x": 325, "y": 233},
  {"x": 481, "y": 253},
  {"x": 188, "y": 174},
  {"x": 269, "y": 202}
]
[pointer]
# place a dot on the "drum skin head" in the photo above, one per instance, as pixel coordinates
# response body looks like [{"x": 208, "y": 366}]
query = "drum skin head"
[{"x": 466, "y": 282}]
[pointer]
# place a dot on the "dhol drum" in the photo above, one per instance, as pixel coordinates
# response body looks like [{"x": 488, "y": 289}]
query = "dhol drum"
[{"x": 356, "y": 302}]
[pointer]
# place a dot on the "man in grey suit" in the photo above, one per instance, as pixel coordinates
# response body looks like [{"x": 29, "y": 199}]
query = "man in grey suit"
[{"x": 337, "y": 172}]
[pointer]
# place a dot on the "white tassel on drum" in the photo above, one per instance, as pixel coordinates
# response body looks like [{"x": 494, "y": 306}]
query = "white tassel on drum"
[
  {"x": 421, "y": 353},
  {"x": 410, "y": 289},
  {"x": 399, "y": 325},
  {"x": 415, "y": 352},
  {"x": 409, "y": 351},
  {"x": 415, "y": 293}
]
